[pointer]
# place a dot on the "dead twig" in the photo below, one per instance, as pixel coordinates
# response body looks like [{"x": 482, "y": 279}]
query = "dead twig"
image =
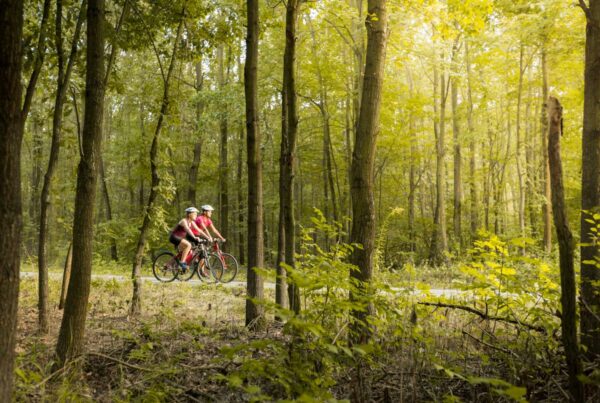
[
  {"x": 503, "y": 350},
  {"x": 484, "y": 315},
  {"x": 118, "y": 361}
]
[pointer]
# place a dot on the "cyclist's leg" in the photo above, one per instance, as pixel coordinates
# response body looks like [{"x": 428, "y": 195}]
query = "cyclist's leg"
[{"x": 184, "y": 247}]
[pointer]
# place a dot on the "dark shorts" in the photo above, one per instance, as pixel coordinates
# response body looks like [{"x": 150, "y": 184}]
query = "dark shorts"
[{"x": 175, "y": 240}]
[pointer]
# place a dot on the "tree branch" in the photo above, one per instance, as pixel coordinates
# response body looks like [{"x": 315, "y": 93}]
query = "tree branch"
[
  {"x": 586, "y": 10},
  {"x": 484, "y": 315}
]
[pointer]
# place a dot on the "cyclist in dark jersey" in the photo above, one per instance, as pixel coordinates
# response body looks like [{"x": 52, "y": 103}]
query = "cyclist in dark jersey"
[{"x": 182, "y": 235}]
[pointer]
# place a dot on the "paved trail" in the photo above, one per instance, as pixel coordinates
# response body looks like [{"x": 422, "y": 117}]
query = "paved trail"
[{"x": 437, "y": 292}]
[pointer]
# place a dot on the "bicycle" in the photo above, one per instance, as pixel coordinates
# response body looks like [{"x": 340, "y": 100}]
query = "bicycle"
[
  {"x": 224, "y": 266},
  {"x": 166, "y": 266}
]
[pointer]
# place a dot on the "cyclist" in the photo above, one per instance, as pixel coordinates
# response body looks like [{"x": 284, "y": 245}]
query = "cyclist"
[
  {"x": 183, "y": 235},
  {"x": 204, "y": 222}
]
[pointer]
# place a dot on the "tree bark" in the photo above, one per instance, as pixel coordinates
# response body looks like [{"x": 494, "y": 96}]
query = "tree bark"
[
  {"x": 255, "y": 284},
  {"x": 458, "y": 193},
  {"x": 590, "y": 187},
  {"x": 136, "y": 299},
  {"x": 105, "y": 194},
  {"x": 64, "y": 77},
  {"x": 281, "y": 292},
  {"x": 66, "y": 277},
  {"x": 11, "y": 135},
  {"x": 546, "y": 207},
  {"x": 473, "y": 150},
  {"x": 240, "y": 199},
  {"x": 193, "y": 173},
  {"x": 568, "y": 295},
  {"x": 223, "y": 164},
  {"x": 70, "y": 339},
  {"x": 521, "y": 173},
  {"x": 363, "y": 160},
  {"x": 38, "y": 62},
  {"x": 439, "y": 242}
]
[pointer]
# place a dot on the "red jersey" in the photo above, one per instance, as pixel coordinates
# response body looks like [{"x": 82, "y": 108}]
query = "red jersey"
[{"x": 203, "y": 221}]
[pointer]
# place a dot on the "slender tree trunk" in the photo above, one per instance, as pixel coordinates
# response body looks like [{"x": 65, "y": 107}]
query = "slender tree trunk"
[
  {"x": 363, "y": 159},
  {"x": 223, "y": 164},
  {"x": 136, "y": 299},
  {"x": 521, "y": 172},
  {"x": 289, "y": 155},
  {"x": 255, "y": 285},
  {"x": 64, "y": 76},
  {"x": 281, "y": 292},
  {"x": 11, "y": 135},
  {"x": 240, "y": 199},
  {"x": 473, "y": 150},
  {"x": 193, "y": 173},
  {"x": 71, "y": 336},
  {"x": 105, "y": 194},
  {"x": 66, "y": 277},
  {"x": 546, "y": 207},
  {"x": 590, "y": 188},
  {"x": 566, "y": 244},
  {"x": 458, "y": 193},
  {"x": 38, "y": 61},
  {"x": 439, "y": 244}
]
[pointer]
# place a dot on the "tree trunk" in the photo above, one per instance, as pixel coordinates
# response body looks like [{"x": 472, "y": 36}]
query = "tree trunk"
[
  {"x": 11, "y": 136},
  {"x": 568, "y": 295},
  {"x": 255, "y": 286},
  {"x": 439, "y": 243},
  {"x": 105, "y": 194},
  {"x": 240, "y": 199},
  {"x": 223, "y": 164},
  {"x": 458, "y": 194},
  {"x": 546, "y": 207},
  {"x": 590, "y": 188},
  {"x": 288, "y": 150},
  {"x": 136, "y": 299},
  {"x": 281, "y": 292},
  {"x": 71, "y": 336},
  {"x": 66, "y": 277},
  {"x": 473, "y": 150},
  {"x": 193, "y": 173},
  {"x": 64, "y": 76},
  {"x": 521, "y": 173},
  {"x": 38, "y": 61},
  {"x": 363, "y": 160}
]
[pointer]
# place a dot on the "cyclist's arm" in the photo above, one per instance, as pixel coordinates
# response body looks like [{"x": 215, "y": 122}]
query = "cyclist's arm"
[
  {"x": 200, "y": 231},
  {"x": 201, "y": 226},
  {"x": 217, "y": 233}
]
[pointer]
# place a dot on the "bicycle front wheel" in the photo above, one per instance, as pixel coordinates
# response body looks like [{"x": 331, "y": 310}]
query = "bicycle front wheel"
[
  {"x": 206, "y": 273},
  {"x": 165, "y": 267},
  {"x": 226, "y": 266}
]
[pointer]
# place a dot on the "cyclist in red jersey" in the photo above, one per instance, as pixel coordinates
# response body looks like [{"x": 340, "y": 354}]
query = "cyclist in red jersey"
[
  {"x": 185, "y": 232},
  {"x": 204, "y": 222}
]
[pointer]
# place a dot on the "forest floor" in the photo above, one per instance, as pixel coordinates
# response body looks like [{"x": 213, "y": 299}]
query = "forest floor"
[{"x": 190, "y": 344}]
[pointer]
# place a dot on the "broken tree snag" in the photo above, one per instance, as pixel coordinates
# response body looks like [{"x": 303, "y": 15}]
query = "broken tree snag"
[
  {"x": 66, "y": 277},
  {"x": 566, "y": 250}
]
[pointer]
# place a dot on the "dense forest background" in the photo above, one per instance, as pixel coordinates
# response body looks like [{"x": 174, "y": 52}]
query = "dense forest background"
[
  {"x": 474, "y": 74},
  {"x": 411, "y": 188}
]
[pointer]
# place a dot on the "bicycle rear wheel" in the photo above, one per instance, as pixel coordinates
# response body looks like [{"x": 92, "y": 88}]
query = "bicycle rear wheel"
[
  {"x": 226, "y": 266},
  {"x": 165, "y": 267}
]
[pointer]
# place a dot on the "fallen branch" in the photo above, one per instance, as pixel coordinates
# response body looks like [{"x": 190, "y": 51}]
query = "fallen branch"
[
  {"x": 132, "y": 366},
  {"x": 484, "y": 315},
  {"x": 504, "y": 350}
]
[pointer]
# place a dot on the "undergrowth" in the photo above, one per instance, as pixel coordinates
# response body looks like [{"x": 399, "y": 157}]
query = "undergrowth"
[{"x": 496, "y": 339}]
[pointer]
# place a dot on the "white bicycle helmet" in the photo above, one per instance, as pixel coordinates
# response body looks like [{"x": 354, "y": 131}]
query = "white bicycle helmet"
[
  {"x": 207, "y": 207},
  {"x": 191, "y": 210}
]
